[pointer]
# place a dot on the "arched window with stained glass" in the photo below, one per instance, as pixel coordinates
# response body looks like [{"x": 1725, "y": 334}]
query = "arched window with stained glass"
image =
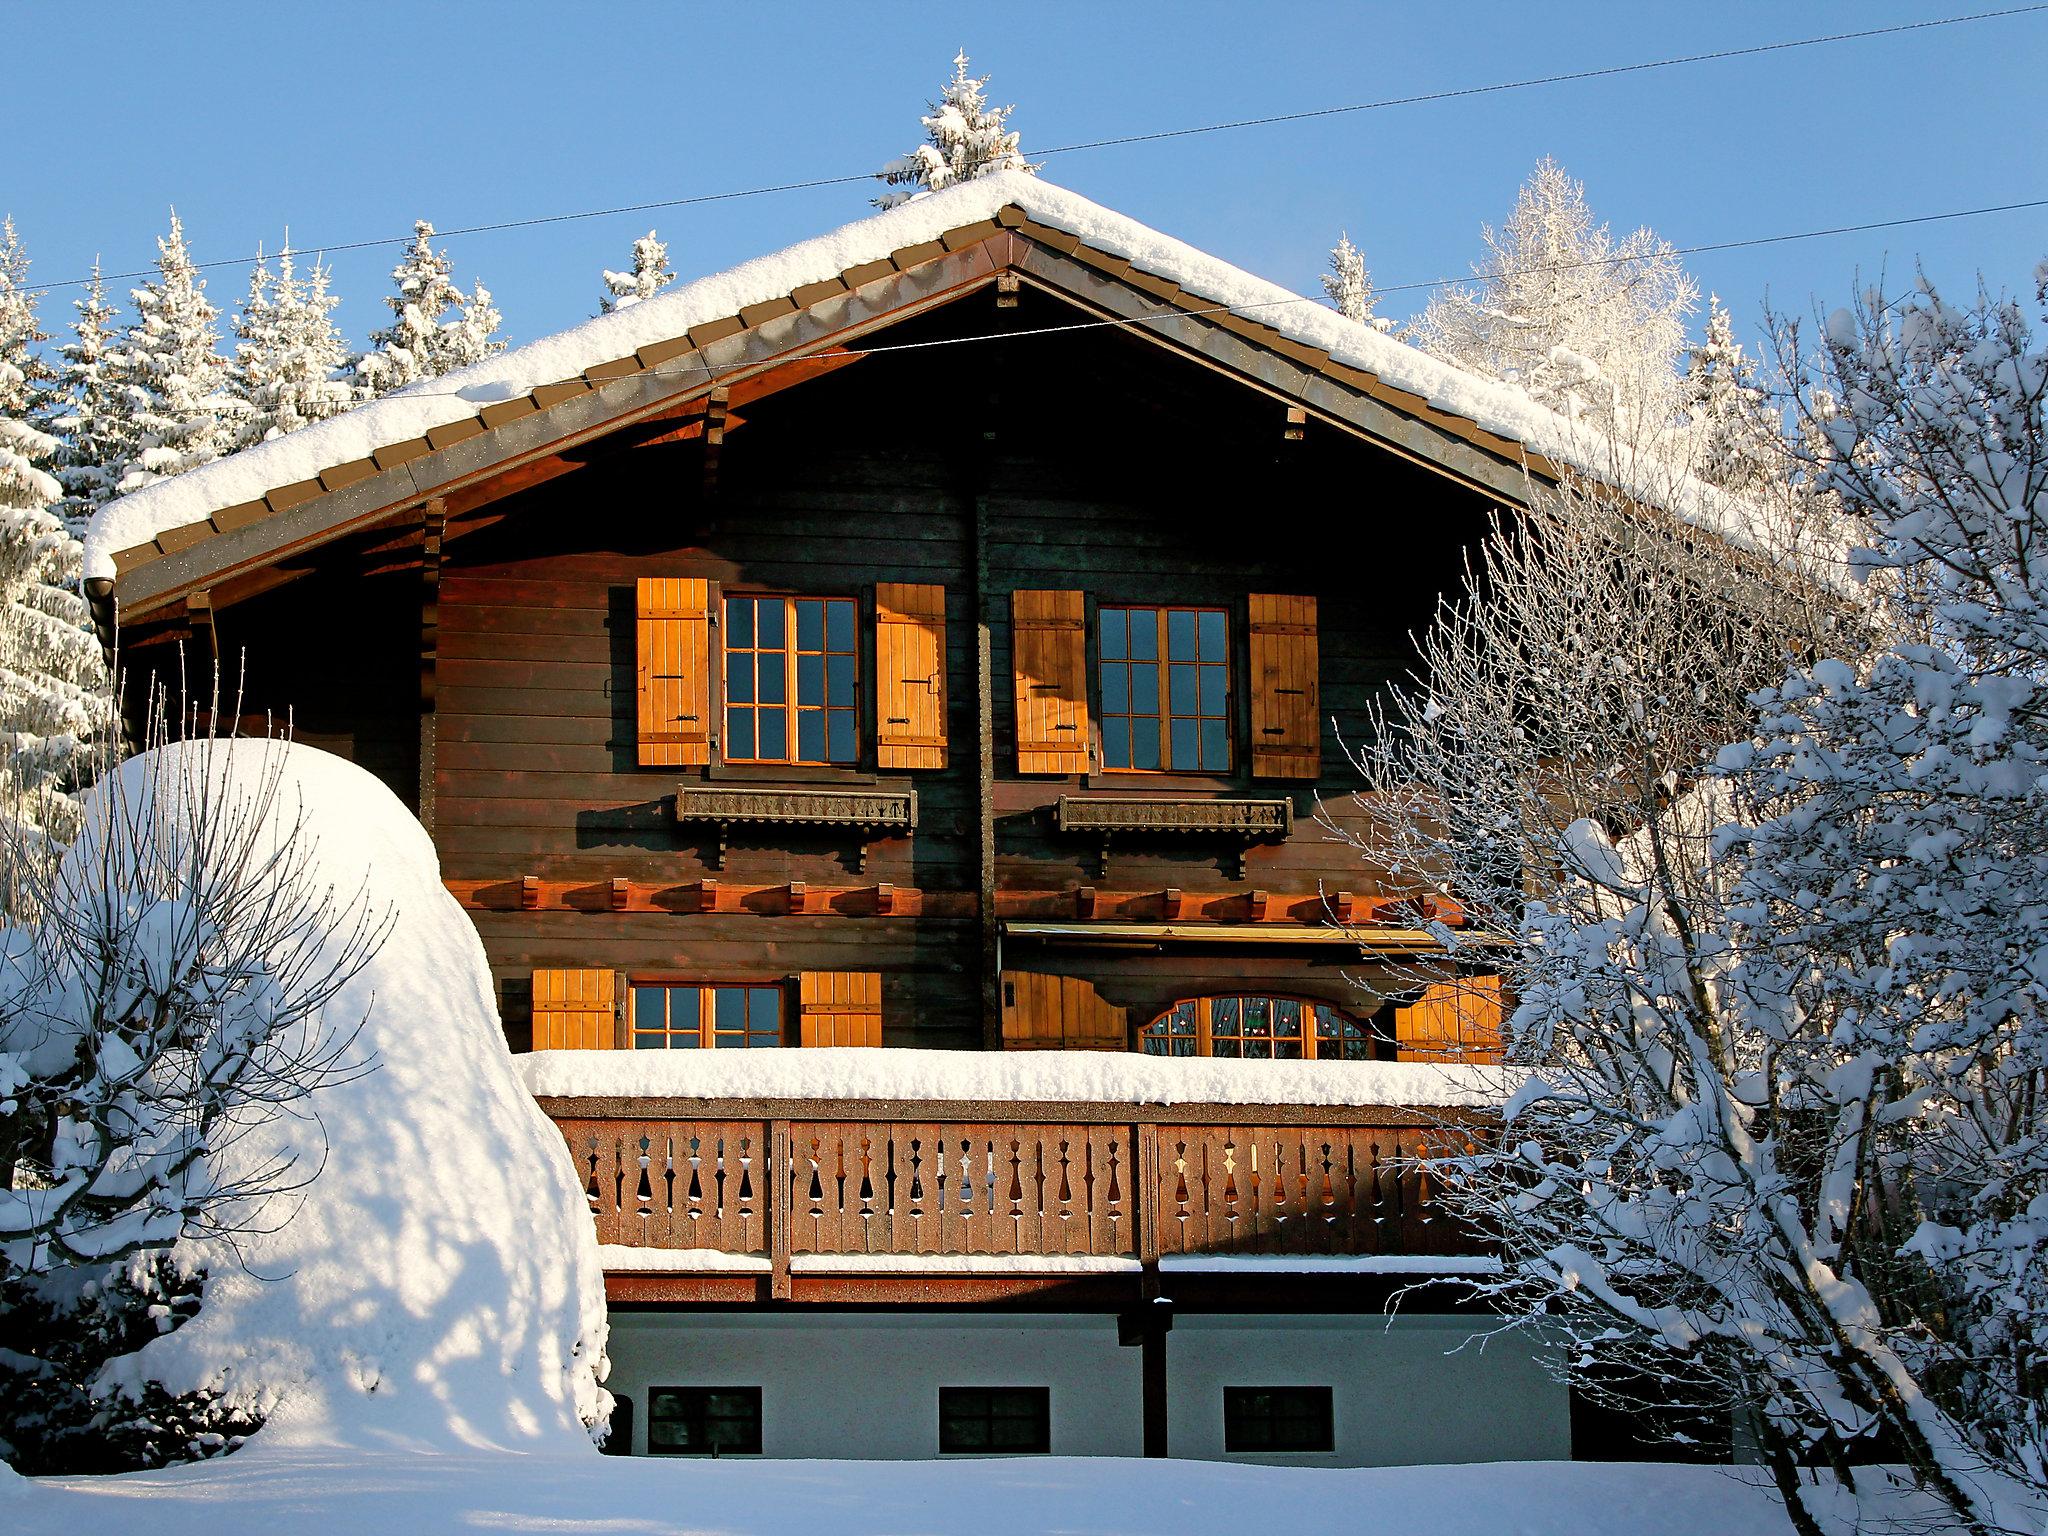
[{"x": 1256, "y": 1027}]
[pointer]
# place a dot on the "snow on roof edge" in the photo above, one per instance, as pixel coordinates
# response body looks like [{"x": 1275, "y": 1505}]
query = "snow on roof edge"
[{"x": 1498, "y": 408}]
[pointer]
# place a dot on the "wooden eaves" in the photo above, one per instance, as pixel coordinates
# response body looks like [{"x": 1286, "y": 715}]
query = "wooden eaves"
[{"x": 508, "y": 445}]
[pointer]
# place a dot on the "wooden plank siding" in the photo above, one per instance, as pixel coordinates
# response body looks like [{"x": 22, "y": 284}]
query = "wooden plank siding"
[{"x": 1099, "y": 469}]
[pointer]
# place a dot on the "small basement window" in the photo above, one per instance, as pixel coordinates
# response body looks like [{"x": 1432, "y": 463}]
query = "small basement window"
[
  {"x": 1259, "y": 1419},
  {"x": 995, "y": 1421},
  {"x": 704, "y": 1421},
  {"x": 695, "y": 1016},
  {"x": 1165, "y": 688},
  {"x": 790, "y": 680},
  {"x": 1256, "y": 1028}
]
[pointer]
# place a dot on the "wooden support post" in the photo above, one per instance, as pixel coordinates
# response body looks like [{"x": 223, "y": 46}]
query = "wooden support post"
[
  {"x": 780, "y": 1184},
  {"x": 199, "y": 615},
  {"x": 714, "y": 437},
  {"x": 1152, "y": 1372},
  {"x": 433, "y": 531},
  {"x": 985, "y": 767}
]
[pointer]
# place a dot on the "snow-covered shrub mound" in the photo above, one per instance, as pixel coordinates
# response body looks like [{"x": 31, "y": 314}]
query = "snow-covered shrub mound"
[{"x": 435, "y": 1280}]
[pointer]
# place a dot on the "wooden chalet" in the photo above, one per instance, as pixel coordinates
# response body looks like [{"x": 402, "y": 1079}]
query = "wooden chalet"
[{"x": 942, "y": 651}]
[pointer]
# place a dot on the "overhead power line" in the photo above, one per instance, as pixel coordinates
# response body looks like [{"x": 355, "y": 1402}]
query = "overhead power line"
[
  {"x": 1176, "y": 312},
  {"x": 1232, "y": 125}
]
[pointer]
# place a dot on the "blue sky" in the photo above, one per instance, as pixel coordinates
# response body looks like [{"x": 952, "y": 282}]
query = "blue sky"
[{"x": 346, "y": 121}]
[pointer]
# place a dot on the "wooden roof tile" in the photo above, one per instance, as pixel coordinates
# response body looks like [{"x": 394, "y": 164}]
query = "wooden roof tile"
[
  {"x": 285, "y": 496},
  {"x": 915, "y": 255},
  {"x": 454, "y": 432},
  {"x": 617, "y": 368},
  {"x": 767, "y": 309},
  {"x": 341, "y": 475},
  {"x": 817, "y": 293},
  {"x": 867, "y": 272},
  {"x": 126, "y": 560},
  {"x": 715, "y": 330},
  {"x": 548, "y": 395},
  {"x": 242, "y": 514},
  {"x": 171, "y": 540},
  {"x": 656, "y": 353},
  {"x": 391, "y": 455},
  {"x": 499, "y": 412},
  {"x": 968, "y": 234}
]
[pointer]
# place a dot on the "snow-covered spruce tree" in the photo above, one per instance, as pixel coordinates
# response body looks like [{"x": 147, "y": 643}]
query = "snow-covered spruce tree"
[
  {"x": 1349, "y": 285},
  {"x": 169, "y": 375},
  {"x": 423, "y": 341},
  {"x": 287, "y": 352},
  {"x": 52, "y": 678},
  {"x": 93, "y": 429},
  {"x": 965, "y": 137},
  {"x": 1738, "y": 439},
  {"x": 650, "y": 273},
  {"x": 1586, "y": 326}
]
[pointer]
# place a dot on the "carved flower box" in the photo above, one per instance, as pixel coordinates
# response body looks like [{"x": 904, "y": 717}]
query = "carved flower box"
[
  {"x": 1239, "y": 822},
  {"x": 865, "y": 814}
]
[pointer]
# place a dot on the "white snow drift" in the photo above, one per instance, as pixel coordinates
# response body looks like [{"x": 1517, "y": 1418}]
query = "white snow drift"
[{"x": 436, "y": 1284}]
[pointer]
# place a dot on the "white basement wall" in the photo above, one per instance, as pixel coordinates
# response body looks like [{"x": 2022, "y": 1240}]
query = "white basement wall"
[{"x": 867, "y": 1386}]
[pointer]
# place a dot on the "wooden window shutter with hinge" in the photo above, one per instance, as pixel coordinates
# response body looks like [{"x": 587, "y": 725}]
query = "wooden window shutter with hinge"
[
  {"x": 1059, "y": 1013},
  {"x": 1452, "y": 1021},
  {"x": 1049, "y": 663},
  {"x": 839, "y": 1008},
  {"x": 575, "y": 1010},
  {"x": 910, "y": 676},
  {"x": 1287, "y": 720},
  {"x": 674, "y": 675}
]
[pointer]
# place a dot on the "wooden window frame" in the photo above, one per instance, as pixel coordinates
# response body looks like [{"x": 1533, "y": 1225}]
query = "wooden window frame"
[
  {"x": 961, "y": 1411},
  {"x": 1238, "y": 1418},
  {"x": 1164, "y": 662},
  {"x": 703, "y": 1418},
  {"x": 1204, "y": 1036},
  {"x": 862, "y": 687},
  {"x": 707, "y": 1021}
]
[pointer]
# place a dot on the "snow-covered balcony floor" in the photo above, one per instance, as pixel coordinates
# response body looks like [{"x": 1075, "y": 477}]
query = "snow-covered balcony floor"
[{"x": 839, "y": 1174}]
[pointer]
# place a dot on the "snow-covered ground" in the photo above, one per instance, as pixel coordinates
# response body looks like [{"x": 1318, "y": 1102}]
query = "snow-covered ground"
[{"x": 289, "y": 1492}]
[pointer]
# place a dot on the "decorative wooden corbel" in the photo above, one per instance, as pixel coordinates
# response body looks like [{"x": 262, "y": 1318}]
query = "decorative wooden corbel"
[{"x": 1008, "y": 285}]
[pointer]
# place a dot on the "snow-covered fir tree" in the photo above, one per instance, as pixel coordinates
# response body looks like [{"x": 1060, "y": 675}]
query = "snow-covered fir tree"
[
  {"x": 649, "y": 274},
  {"x": 1586, "y": 325},
  {"x": 1738, "y": 442},
  {"x": 965, "y": 137},
  {"x": 52, "y": 677},
  {"x": 288, "y": 351},
  {"x": 170, "y": 377},
  {"x": 1349, "y": 285},
  {"x": 423, "y": 341},
  {"x": 92, "y": 424}
]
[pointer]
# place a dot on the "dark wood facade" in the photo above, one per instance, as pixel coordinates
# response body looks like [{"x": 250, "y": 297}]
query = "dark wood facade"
[{"x": 1095, "y": 462}]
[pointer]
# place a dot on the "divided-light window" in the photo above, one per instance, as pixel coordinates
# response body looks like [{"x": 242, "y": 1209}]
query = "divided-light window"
[
  {"x": 1165, "y": 688},
  {"x": 1256, "y": 1028},
  {"x": 791, "y": 665},
  {"x": 704, "y": 1421},
  {"x": 692, "y": 1016}
]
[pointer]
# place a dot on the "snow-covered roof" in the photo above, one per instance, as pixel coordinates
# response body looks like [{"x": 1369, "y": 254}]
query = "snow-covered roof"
[
  {"x": 1053, "y": 1077},
  {"x": 303, "y": 463}
]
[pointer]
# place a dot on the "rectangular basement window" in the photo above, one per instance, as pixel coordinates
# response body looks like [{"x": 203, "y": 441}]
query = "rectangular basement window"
[
  {"x": 1259, "y": 1419},
  {"x": 995, "y": 1421},
  {"x": 704, "y": 1421}
]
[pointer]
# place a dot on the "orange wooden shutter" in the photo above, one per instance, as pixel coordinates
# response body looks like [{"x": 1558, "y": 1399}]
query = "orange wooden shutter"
[
  {"x": 1043, "y": 1013},
  {"x": 910, "y": 676},
  {"x": 839, "y": 1008},
  {"x": 674, "y": 681},
  {"x": 1049, "y": 661},
  {"x": 1452, "y": 1021},
  {"x": 574, "y": 1011},
  {"x": 1287, "y": 723}
]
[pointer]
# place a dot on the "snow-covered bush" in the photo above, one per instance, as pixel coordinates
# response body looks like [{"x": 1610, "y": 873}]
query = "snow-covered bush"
[
  {"x": 965, "y": 137},
  {"x": 405, "y": 1254}
]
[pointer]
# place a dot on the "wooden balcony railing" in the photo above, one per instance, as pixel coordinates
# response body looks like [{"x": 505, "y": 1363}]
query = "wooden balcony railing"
[{"x": 1035, "y": 1181}]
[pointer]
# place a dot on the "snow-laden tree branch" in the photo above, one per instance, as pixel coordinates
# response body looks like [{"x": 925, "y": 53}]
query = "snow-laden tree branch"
[
  {"x": 171, "y": 994},
  {"x": 964, "y": 136}
]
